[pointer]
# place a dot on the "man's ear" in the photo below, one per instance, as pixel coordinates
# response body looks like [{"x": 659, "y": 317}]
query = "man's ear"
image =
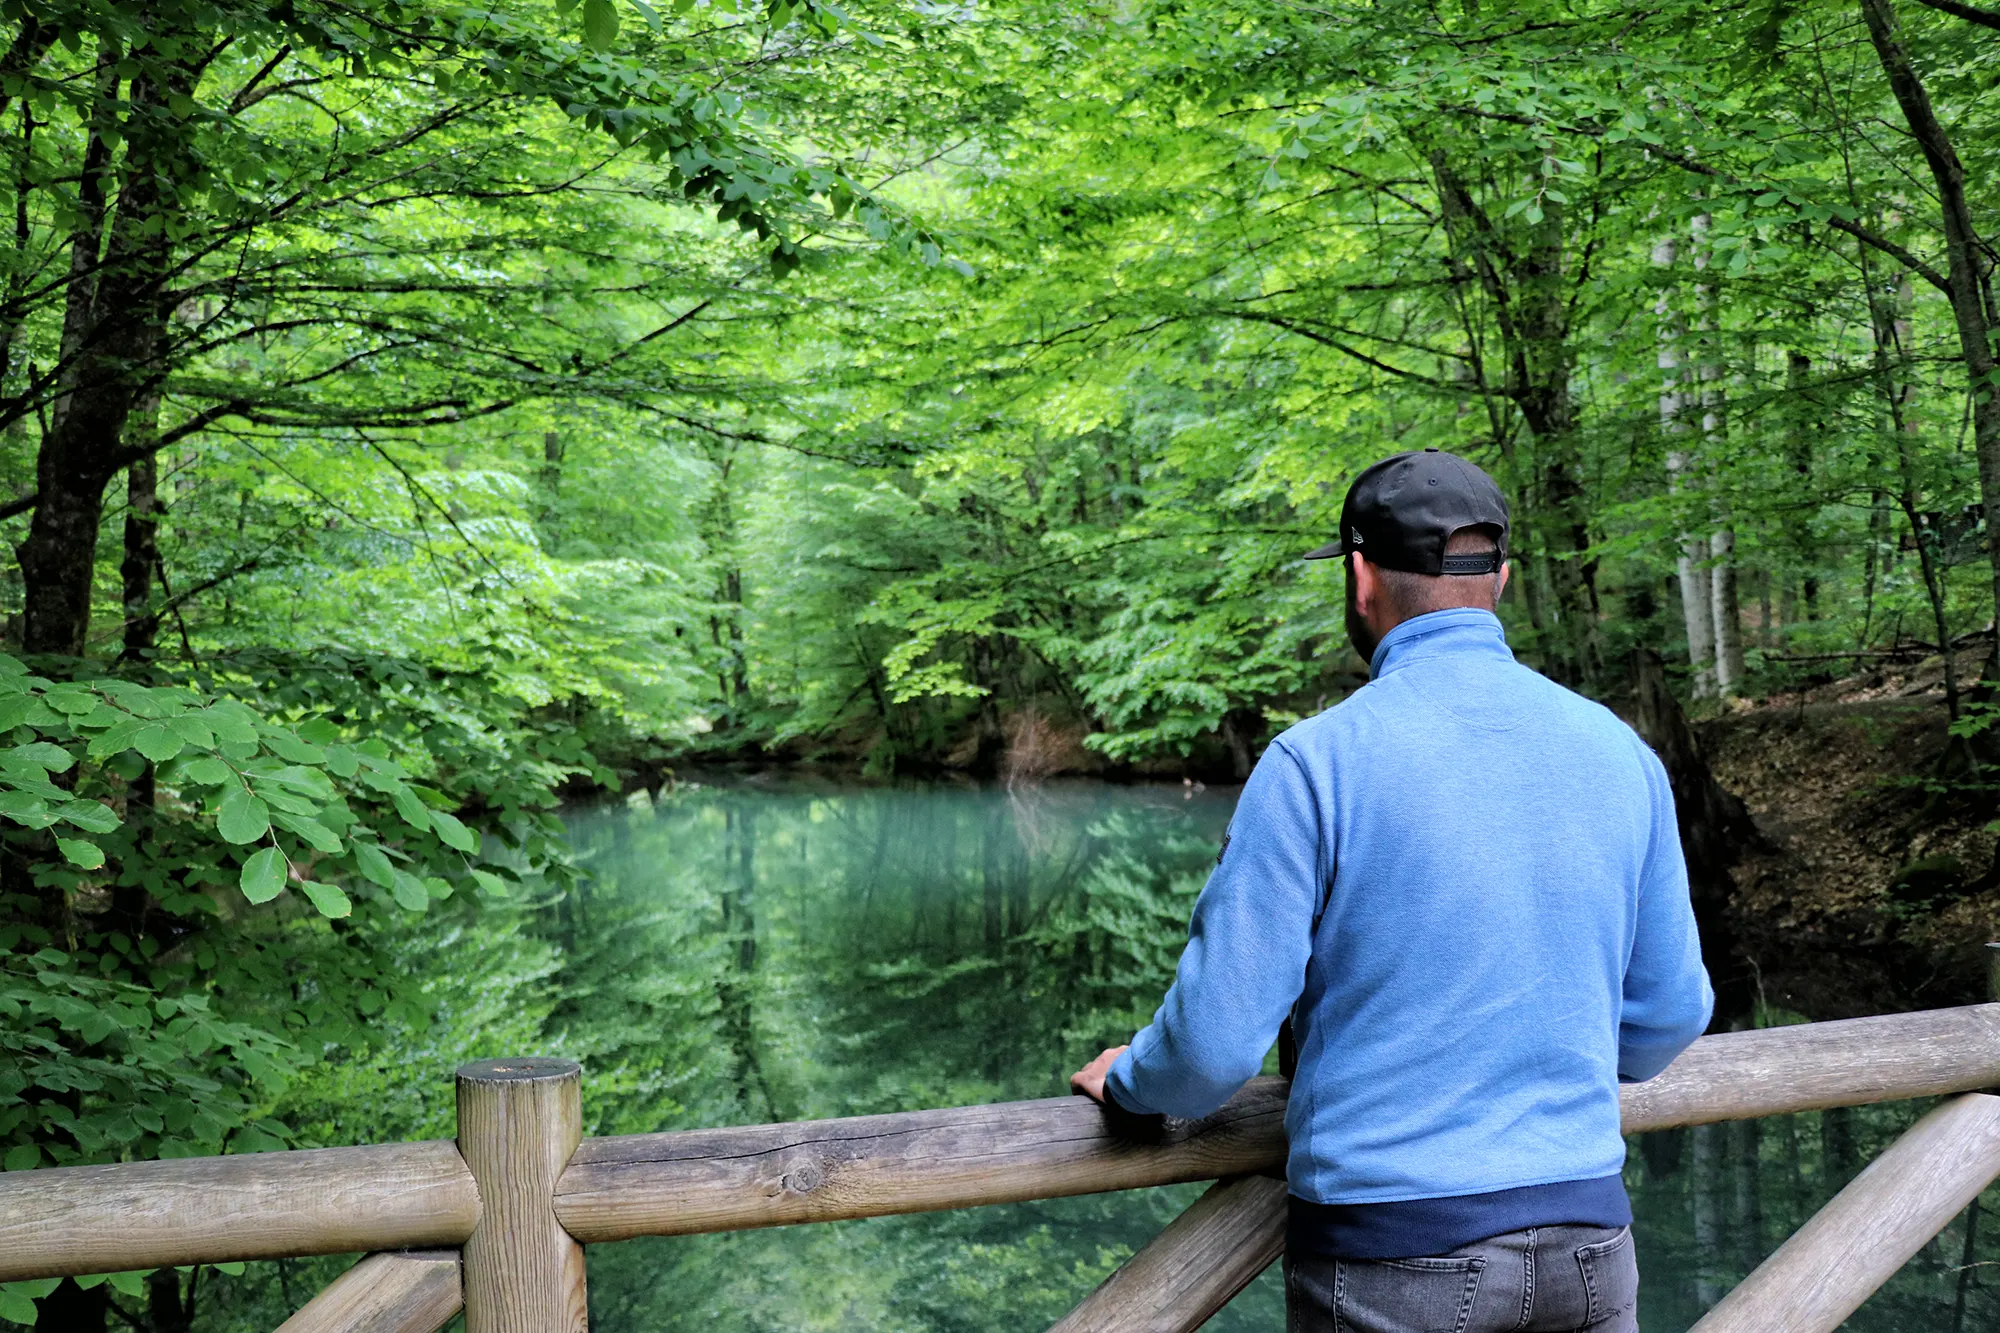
[
  {"x": 1506, "y": 568},
  {"x": 1366, "y": 586}
]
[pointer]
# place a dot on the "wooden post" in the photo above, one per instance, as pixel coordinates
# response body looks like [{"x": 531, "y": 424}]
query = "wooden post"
[
  {"x": 1870, "y": 1229},
  {"x": 518, "y": 1123},
  {"x": 413, "y": 1292}
]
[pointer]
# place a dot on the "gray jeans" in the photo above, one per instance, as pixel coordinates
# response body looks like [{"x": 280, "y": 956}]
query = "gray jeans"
[{"x": 1570, "y": 1278}]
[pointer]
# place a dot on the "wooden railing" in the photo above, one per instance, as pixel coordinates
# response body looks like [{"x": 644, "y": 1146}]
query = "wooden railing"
[{"x": 495, "y": 1223}]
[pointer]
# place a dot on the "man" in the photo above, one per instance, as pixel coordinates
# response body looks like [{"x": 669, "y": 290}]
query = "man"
[{"x": 1464, "y": 886}]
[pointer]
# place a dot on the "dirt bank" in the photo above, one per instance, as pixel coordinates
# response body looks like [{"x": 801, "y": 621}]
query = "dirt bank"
[{"x": 1880, "y": 889}]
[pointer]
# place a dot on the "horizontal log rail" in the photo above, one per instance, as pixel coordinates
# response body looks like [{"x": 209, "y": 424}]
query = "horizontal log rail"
[
  {"x": 912, "y": 1161},
  {"x": 58, "y": 1222},
  {"x": 95, "y": 1219},
  {"x": 828, "y": 1170}
]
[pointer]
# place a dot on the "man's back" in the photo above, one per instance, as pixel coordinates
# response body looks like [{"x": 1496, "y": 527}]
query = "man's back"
[
  {"x": 1470, "y": 881},
  {"x": 1488, "y": 835}
]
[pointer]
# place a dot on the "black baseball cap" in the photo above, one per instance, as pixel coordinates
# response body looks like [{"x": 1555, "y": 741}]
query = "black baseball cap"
[{"x": 1401, "y": 512}]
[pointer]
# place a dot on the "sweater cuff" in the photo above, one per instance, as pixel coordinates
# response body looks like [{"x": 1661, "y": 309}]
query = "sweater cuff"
[{"x": 1118, "y": 1087}]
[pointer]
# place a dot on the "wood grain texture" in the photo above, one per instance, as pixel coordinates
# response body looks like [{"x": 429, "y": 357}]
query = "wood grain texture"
[
  {"x": 817, "y": 1171},
  {"x": 1810, "y": 1066},
  {"x": 1194, "y": 1267},
  {"x": 518, "y": 1123},
  {"x": 1870, "y": 1229},
  {"x": 109, "y": 1219},
  {"x": 414, "y": 1292}
]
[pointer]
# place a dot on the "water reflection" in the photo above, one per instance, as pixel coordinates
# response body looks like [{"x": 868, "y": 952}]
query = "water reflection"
[{"x": 773, "y": 951}]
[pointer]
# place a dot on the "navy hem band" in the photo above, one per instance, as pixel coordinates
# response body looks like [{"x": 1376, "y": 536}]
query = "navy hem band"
[{"x": 1415, "y": 1228}]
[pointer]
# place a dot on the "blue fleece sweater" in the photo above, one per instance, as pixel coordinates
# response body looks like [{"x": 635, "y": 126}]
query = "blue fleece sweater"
[{"x": 1465, "y": 882}]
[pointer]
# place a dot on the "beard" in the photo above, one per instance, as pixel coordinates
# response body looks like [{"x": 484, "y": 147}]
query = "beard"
[{"x": 1365, "y": 640}]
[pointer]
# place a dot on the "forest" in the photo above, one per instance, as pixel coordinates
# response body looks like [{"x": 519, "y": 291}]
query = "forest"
[{"x": 421, "y": 420}]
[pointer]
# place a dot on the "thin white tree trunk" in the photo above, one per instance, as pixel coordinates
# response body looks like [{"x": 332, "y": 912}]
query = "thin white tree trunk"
[
  {"x": 1725, "y": 608},
  {"x": 1692, "y": 562}
]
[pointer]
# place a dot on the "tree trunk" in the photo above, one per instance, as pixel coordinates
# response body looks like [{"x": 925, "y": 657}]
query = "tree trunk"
[
  {"x": 1728, "y": 612},
  {"x": 1969, "y": 272},
  {"x": 1890, "y": 327},
  {"x": 1530, "y": 296},
  {"x": 551, "y": 475},
  {"x": 1725, "y": 609},
  {"x": 1691, "y": 562},
  {"x": 142, "y": 537},
  {"x": 1801, "y": 425},
  {"x": 120, "y": 321}
]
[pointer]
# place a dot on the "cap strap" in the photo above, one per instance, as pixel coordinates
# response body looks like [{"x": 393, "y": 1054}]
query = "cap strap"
[{"x": 1488, "y": 563}]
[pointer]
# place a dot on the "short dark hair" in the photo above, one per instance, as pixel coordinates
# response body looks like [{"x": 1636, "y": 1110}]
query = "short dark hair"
[{"x": 1419, "y": 594}]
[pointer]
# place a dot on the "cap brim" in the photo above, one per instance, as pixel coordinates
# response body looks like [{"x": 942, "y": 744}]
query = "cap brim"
[{"x": 1326, "y": 552}]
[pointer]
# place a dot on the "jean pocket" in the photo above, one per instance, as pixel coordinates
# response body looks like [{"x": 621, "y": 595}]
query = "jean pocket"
[
  {"x": 1405, "y": 1295},
  {"x": 1610, "y": 1276}
]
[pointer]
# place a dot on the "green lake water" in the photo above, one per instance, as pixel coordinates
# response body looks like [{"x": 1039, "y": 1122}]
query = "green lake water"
[{"x": 754, "y": 950}]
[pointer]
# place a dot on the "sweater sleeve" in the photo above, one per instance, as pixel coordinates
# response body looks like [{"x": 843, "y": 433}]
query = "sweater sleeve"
[
  {"x": 1667, "y": 999},
  {"x": 1246, "y": 954}
]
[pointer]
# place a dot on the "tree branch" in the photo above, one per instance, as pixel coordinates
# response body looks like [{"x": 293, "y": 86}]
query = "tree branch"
[{"x": 1985, "y": 18}]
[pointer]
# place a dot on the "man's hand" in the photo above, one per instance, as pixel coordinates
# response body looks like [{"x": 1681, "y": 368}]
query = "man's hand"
[{"x": 1089, "y": 1080}]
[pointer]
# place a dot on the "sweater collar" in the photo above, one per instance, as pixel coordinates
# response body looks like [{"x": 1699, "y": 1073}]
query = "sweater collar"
[{"x": 1462, "y": 630}]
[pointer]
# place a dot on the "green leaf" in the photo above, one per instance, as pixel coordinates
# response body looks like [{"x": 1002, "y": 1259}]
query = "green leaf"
[
  {"x": 192, "y": 730},
  {"x": 208, "y": 771},
  {"x": 264, "y": 875},
  {"x": 131, "y": 1284},
  {"x": 26, "y": 808},
  {"x": 374, "y": 864},
  {"x": 409, "y": 807},
  {"x": 15, "y": 1306},
  {"x": 490, "y": 882},
  {"x": 289, "y": 747},
  {"x": 118, "y": 738},
  {"x": 243, "y": 818},
  {"x": 158, "y": 742},
  {"x": 319, "y": 835},
  {"x": 327, "y": 898},
  {"x": 308, "y": 780},
  {"x": 231, "y": 721},
  {"x": 23, "y": 1157},
  {"x": 71, "y": 699},
  {"x": 90, "y": 816},
  {"x": 410, "y": 892},
  {"x": 452, "y": 833},
  {"x": 44, "y": 755},
  {"x": 81, "y": 852},
  {"x": 600, "y": 24},
  {"x": 318, "y": 731}
]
